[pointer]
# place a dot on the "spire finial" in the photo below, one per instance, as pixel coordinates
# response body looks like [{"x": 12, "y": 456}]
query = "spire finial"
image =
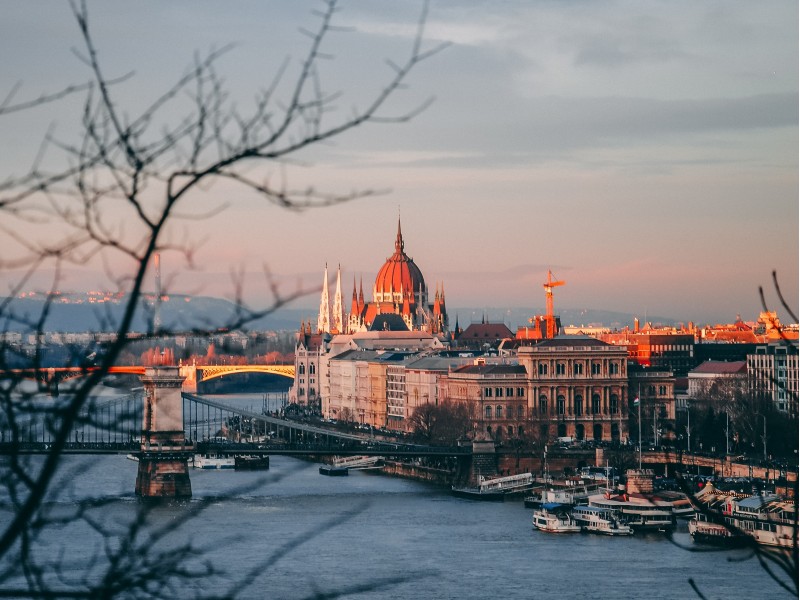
[{"x": 398, "y": 244}]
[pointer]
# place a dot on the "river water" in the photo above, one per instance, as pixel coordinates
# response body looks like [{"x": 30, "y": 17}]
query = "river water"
[{"x": 291, "y": 533}]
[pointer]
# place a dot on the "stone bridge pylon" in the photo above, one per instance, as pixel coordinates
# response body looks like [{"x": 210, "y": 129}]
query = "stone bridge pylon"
[{"x": 163, "y": 459}]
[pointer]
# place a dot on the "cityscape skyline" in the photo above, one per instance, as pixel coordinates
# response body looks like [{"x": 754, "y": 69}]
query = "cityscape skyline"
[{"x": 647, "y": 155}]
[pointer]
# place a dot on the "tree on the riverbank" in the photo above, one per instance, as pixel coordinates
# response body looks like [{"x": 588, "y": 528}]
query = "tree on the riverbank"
[
  {"x": 441, "y": 424},
  {"x": 116, "y": 194}
]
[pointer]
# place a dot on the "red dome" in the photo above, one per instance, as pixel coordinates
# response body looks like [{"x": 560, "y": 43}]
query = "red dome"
[{"x": 399, "y": 278}]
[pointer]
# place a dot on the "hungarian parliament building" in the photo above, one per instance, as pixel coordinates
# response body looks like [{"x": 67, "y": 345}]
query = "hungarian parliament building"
[
  {"x": 376, "y": 364},
  {"x": 381, "y": 361}
]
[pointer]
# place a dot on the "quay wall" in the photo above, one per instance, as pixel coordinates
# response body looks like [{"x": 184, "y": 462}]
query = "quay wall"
[{"x": 418, "y": 473}]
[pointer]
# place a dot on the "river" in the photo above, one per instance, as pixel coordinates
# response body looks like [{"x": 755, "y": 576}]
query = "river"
[{"x": 291, "y": 532}]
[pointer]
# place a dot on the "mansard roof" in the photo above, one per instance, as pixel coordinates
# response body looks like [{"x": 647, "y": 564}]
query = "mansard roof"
[
  {"x": 571, "y": 341},
  {"x": 388, "y": 322},
  {"x": 492, "y": 369},
  {"x": 716, "y": 367},
  {"x": 494, "y": 331}
]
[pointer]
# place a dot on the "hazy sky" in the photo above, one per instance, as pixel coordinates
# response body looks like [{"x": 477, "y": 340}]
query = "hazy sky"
[{"x": 646, "y": 151}]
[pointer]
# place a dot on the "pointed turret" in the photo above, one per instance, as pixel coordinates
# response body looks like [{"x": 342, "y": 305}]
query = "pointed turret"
[
  {"x": 337, "y": 324},
  {"x": 324, "y": 318},
  {"x": 354, "y": 306}
]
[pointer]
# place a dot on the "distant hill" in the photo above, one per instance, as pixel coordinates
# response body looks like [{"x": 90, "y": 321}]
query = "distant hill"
[{"x": 75, "y": 313}]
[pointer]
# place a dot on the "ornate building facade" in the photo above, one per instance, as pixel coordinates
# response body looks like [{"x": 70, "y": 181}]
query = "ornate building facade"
[{"x": 400, "y": 300}]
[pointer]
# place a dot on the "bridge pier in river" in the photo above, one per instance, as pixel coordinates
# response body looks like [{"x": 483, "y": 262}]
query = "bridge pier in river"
[{"x": 163, "y": 459}]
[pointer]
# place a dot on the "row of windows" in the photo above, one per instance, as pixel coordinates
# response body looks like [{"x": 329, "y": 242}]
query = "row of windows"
[
  {"x": 651, "y": 390},
  {"x": 301, "y": 369},
  {"x": 509, "y": 429},
  {"x": 498, "y": 412},
  {"x": 577, "y": 404},
  {"x": 498, "y": 392},
  {"x": 302, "y": 392},
  {"x": 577, "y": 368}
]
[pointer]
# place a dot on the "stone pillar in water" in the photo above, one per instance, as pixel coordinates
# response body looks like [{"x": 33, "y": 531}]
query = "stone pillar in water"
[
  {"x": 163, "y": 460},
  {"x": 484, "y": 459}
]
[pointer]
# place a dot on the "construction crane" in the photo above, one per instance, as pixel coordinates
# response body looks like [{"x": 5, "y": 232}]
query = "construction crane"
[{"x": 548, "y": 292}]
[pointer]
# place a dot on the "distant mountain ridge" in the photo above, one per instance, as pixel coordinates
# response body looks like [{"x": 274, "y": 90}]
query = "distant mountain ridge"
[{"x": 76, "y": 313}]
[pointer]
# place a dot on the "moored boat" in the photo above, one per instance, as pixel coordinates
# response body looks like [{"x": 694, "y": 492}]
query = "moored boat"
[
  {"x": 681, "y": 505},
  {"x": 496, "y": 489},
  {"x": 213, "y": 461},
  {"x": 599, "y": 520},
  {"x": 638, "y": 511},
  {"x": 554, "y": 518},
  {"x": 562, "y": 493},
  {"x": 723, "y": 517},
  {"x": 705, "y": 531},
  {"x": 333, "y": 471}
]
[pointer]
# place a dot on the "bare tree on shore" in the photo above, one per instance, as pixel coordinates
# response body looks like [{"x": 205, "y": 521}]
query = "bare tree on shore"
[{"x": 113, "y": 196}]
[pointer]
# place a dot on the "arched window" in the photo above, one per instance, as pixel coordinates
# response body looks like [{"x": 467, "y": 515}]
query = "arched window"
[
  {"x": 520, "y": 411},
  {"x": 595, "y": 403},
  {"x": 509, "y": 412},
  {"x": 542, "y": 368},
  {"x": 613, "y": 404},
  {"x": 498, "y": 412},
  {"x": 520, "y": 431},
  {"x": 488, "y": 412},
  {"x": 613, "y": 368},
  {"x": 561, "y": 368},
  {"x": 578, "y": 403},
  {"x": 560, "y": 404},
  {"x": 302, "y": 369},
  {"x": 542, "y": 404},
  {"x": 311, "y": 369},
  {"x": 578, "y": 368}
]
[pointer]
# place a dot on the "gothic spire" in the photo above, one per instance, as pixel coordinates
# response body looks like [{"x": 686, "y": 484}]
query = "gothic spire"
[
  {"x": 324, "y": 318},
  {"x": 398, "y": 243}
]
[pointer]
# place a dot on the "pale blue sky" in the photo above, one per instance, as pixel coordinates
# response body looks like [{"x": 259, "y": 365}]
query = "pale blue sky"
[{"x": 645, "y": 151}]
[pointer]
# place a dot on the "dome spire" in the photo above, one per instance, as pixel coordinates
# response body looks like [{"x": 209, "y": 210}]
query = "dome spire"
[{"x": 398, "y": 244}]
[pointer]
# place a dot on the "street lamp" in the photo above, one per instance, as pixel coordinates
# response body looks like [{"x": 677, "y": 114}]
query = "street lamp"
[{"x": 688, "y": 426}]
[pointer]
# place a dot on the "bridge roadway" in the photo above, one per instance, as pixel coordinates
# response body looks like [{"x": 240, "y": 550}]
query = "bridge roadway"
[
  {"x": 364, "y": 448},
  {"x": 344, "y": 444}
]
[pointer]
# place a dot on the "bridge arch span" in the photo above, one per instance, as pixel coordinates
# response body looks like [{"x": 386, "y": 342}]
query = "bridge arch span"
[{"x": 206, "y": 373}]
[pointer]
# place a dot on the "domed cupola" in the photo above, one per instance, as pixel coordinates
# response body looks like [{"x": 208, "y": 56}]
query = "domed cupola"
[{"x": 400, "y": 280}]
